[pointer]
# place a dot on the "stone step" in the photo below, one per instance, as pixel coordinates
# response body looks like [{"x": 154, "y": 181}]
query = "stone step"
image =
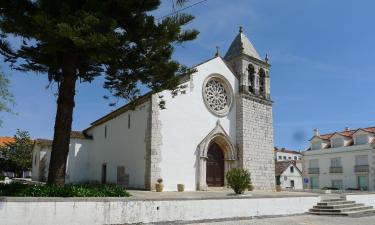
[
  {"x": 368, "y": 212},
  {"x": 333, "y": 200},
  {"x": 342, "y": 202},
  {"x": 338, "y": 206},
  {"x": 357, "y": 213},
  {"x": 342, "y": 210}
]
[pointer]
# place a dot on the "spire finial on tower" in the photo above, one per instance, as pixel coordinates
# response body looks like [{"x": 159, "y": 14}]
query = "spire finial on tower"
[
  {"x": 217, "y": 51},
  {"x": 241, "y": 29},
  {"x": 267, "y": 59}
]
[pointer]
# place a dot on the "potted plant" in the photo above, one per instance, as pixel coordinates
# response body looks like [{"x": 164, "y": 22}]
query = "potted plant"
[
  {"x": 159, "y": 186},
  {"x": 238, "y": 180},
  {"x": 180, "y": 187}
]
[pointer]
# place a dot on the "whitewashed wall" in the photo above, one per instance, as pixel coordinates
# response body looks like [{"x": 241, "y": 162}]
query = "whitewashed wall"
[
  {"x": 77, "y": 161},
  {"x": 186, "y": 122},
  {"x": 287, "y": 176},
  {"x": 78, "y": 211},
  {"x": 77, "y": 168},
  {"x": 347, "y": 154},
  {"x": 40, "y": 154},
  {"x": 123, "y": 146}
]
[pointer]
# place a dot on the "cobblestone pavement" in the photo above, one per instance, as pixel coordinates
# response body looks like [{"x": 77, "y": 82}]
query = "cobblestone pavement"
[{"x": 300, "y": 220}]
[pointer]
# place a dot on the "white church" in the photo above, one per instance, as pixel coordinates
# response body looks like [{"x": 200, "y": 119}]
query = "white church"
[{"x": 221, "y": 120}]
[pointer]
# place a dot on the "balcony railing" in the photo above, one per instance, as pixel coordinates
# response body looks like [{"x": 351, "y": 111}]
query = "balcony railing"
[
  {"x": 337, "y": 169},
  {"x": 361, "y": 169},
  {"x": 313, "y": 170}
]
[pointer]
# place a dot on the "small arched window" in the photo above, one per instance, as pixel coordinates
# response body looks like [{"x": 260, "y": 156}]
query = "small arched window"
[
  {"x": 251, "y": 71},
  {"x": 262, "y": 82}
]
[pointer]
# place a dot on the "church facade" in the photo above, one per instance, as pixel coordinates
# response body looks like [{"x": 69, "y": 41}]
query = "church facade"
[{"x": 220, "y": 119}]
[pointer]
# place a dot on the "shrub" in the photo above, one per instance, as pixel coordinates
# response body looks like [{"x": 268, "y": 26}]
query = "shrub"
[
  {"x": 2, "y": 177},
  {"x": 238, "y": 180},
  {"x": 329, "y": 188},
  {"x": 26, "y": 190}
]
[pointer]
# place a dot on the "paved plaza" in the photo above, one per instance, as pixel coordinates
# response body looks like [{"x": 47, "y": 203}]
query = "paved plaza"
[
  {"x": 214, "y": 193},
  {"x": 300, "y": 220}
]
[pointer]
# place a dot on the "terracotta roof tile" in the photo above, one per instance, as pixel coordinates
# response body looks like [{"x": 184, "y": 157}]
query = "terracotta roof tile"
[
  {"x": 286, "y": 151},
  {"x": 5, "y": 140},
  {"x": 78, "y": 135},
  {"x": 44, "y": 142},
  {"x": 280, "y": 167},
  {"x": 347, "y": 133}
]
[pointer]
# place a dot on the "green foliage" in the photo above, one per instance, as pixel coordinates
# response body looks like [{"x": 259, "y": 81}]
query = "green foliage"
[
  {"x": 329, "y": 188},
  {"x": 83, "y": 39},
  {"x": 238, "y": 180},
  {"x": 2, "y": 177},
  {"x": 118, "y": 38},
  {"x": 6, "y": 98},
  {"x": 25, "y": 190},
  {"x": 18, "y": 154}
]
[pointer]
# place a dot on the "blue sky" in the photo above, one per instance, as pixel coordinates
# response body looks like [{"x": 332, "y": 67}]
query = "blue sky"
[{"x": 322, "y": 55}]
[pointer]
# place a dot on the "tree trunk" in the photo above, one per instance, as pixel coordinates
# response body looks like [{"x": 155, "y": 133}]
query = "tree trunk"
[{"x": 63, "y": 122}]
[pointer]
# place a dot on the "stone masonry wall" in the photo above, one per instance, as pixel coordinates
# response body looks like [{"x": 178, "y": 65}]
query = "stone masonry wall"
[
  {"x": 255, "y": 140},
  {"x": 153, "y": 140}
]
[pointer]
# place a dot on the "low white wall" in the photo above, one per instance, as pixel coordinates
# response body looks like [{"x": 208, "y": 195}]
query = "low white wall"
[
  {"x": 49, "y": 211},
  {"x": 367, "y": 199}
]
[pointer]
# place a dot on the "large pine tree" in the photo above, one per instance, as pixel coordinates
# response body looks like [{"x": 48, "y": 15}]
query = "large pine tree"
[{"x": 82, "y": 39}]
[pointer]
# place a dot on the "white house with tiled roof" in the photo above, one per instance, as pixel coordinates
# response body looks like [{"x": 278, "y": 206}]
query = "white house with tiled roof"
[
  {"x": 283, "y": 154},
  {"x": 288, "y": 175},
  {"x": 342, "y": 160},
  {"x": 222, "y": 119}
]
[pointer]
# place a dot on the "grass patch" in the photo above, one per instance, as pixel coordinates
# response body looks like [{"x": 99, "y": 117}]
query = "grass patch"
[{"x": 27, "y": 190}]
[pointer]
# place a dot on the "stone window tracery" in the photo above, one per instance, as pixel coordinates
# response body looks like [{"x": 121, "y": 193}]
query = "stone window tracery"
[{"x": 217, "y": 96}]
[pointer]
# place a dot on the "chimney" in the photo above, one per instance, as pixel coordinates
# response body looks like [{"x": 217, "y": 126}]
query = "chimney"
[
  {"x": 347, "y": 129},
  {"x": 316, "y": 132}
]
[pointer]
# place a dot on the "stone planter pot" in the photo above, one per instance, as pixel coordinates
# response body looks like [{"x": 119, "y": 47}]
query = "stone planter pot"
[
  {"x": 250, "y": 187},
  {"x": 278, "y": 188},
  {"x": 181, "y": 187},
  {"x": 159, "y": 187}
]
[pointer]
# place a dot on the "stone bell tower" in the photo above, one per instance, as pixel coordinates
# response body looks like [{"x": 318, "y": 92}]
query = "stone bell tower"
[{"x": 254, "y": 112}]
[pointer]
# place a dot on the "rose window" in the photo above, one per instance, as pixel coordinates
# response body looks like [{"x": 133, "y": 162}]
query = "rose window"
[{"x": 216, "y": 96}]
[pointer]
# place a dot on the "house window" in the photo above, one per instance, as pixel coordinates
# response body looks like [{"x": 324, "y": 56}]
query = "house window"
[
  {"x": 105, "y": 131},
  {"x": 35, "y": 159},
  {"x": 280, "y": 157},
  {"x": 104, "y": 173},
  {"x": 295, "y": 157},
  {"x": 289, "y": 158},
  {"x": 129, "y": 121},
  {"x": 292, "y": 183},
  {"x": 292, "y": 169},
  {"x": 316, "y": 145},
  {"x": 314, "y": 163},
  {"x": 337, "y": 142},
  {"x": 336, "y": 162},
  {"x": 284, "y": 157},
  {"x": 361, "y": 139},
  {"x": 361, "y": 160}
]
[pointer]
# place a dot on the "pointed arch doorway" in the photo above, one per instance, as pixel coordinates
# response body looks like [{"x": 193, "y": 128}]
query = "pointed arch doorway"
[{"x": 215, "y": 166}]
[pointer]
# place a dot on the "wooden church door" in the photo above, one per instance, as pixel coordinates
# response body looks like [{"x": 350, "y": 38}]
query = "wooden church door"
[{"x": 215, "y": 166}]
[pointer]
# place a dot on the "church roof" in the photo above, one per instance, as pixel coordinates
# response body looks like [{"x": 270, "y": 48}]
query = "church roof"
[{"x": 241, "y": 45}]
